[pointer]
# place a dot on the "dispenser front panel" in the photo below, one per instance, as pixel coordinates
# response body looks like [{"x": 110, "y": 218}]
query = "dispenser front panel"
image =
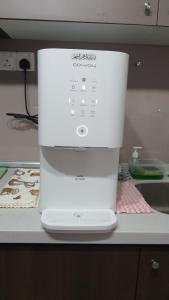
[
  {"x": 81, "y": 97},
  {"x": 74, "y": 179}
]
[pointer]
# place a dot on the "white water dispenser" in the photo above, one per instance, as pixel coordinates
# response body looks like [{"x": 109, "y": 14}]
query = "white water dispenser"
[{"x": 81, "y": 97}]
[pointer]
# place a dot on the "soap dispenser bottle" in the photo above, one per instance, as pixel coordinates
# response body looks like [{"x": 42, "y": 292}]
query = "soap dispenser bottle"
[
  {"x": 135, "y": 156},
  {"x": 135, "y": 160}
]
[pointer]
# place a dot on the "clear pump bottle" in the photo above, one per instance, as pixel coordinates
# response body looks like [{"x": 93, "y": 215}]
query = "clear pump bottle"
[
  {"x": 136, "y": 156},
  {"x": 135, "y": 160}
]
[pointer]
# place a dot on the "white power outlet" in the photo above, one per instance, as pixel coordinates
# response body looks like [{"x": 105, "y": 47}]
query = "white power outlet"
[
  {"x": 7, "y": 61},
  {"x": 30, "y": 56}
]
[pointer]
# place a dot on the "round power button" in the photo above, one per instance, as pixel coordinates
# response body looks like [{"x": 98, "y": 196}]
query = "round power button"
[{"x": 82, "y": 130}]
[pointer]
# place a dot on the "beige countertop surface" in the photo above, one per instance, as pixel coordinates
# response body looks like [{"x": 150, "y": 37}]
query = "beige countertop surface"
[{"x": 22, "y": 225}]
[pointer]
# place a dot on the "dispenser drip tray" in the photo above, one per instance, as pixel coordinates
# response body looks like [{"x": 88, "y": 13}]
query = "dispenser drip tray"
[{"x": 78, "y": 221}]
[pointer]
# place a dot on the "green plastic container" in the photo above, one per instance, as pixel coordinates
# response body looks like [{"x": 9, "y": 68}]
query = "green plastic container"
[{"x": 146, "y": 170}]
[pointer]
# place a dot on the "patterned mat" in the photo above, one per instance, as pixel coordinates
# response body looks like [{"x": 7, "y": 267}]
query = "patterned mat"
[
  {"x": 130, "y": 200},
  {"x": 21, "y": 190}
]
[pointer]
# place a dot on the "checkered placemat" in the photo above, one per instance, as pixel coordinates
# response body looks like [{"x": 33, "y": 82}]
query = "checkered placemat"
[{"x": 130, "y": 200}]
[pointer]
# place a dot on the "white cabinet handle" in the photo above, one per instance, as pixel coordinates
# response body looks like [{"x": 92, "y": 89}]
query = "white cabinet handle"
[{"x": 147, "y": 8}]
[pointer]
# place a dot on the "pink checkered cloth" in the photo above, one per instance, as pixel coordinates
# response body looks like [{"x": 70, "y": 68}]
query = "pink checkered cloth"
[{"x": 129, "y": 199}]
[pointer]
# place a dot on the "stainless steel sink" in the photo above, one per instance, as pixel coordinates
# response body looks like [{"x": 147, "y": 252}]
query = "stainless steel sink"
[{"x": 156, "y": 195}]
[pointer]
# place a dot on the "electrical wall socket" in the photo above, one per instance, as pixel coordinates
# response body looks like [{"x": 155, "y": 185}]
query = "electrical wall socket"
[
  {"x": 9, "y": 61},
  {"x": 30, "y": 56}
]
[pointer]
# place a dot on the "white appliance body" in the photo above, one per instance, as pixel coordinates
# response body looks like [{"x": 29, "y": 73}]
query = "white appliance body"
[{"x": 81, "y": 97}]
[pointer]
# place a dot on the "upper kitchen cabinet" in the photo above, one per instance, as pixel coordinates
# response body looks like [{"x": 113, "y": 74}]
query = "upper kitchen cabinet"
[
  {"x": 100, "y": 11},
  {"x": 163, "y": 13}
]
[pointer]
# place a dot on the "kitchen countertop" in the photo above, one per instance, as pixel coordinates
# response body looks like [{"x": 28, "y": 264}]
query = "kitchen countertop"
[{"x": 22, "y": 225}]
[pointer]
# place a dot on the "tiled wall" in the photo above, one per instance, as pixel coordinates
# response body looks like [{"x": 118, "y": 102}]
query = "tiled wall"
[{"x": 147, "y": 102}]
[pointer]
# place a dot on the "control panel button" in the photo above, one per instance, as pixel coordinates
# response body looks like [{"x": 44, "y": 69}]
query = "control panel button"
[
  {"x": 72, "y": 112},
  {"x": 71, "y": 101},
  {"x": 83, "y": 87},
  {"x": 73, "y": 87},
  {"x": 83, "y": 102},
  {"x": 82, "y": 130}
]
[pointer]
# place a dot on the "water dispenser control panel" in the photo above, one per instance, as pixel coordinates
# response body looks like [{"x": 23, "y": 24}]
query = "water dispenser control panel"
[{"x": 83, "y": 98}]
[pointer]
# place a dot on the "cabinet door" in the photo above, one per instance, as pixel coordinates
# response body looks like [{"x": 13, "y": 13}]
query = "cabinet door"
[
  {"x": 17, "y": 273},
  {"x": 153, "y": 280},
  {"x": 85, "y": 272},
  {"x": 97, "y": 273},
  {"x": 163, "y": 13},
  {"x": 108, "y": 11},
  {"x": 64, "y": 272}
]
